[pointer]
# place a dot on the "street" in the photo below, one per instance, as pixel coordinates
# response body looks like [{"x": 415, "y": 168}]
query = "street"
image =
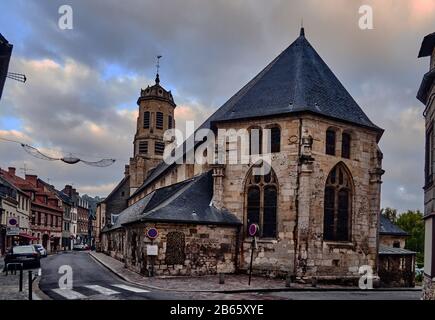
[{"x": 91, "y": 281}]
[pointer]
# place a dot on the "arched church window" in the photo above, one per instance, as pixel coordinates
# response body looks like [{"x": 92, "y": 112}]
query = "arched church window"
[
  {"x": 261, "y": 203},
  {"x": 255, "y": 141},
  {"x": 146, "y": 119},
  {"x": 330, "y": 142},
  {"x": 345, "y": 145},
  {"x": 338, "y": 205}
]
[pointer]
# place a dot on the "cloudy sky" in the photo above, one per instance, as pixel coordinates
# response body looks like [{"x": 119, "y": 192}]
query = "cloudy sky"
[{"x": 83, "y": 83}]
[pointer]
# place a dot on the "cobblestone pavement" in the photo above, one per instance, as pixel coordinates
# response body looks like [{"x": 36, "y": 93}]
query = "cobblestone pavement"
[{"x": 9, "y": 285}]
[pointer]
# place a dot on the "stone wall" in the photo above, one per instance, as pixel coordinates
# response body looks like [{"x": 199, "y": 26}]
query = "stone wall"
[
  {"x": 389, "y": 240},
  {"x": 299, "y": 247},
  {"x": 428, "y": 288},
  {"x": 207, "y": 249}
]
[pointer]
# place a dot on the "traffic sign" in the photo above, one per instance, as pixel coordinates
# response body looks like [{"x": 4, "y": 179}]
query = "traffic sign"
[
  {"x": 152, "y": 233},
  {"x": 253, "y": 229},
  {"x": 12, "y": 222}
]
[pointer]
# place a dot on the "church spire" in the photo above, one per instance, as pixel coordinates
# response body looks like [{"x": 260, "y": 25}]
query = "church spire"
[
  {"x": 158, "y": 67},
  {"x": 302, "y": 32}
]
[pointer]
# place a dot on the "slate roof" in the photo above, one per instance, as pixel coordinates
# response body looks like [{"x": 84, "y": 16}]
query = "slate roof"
[
  {"x": 427, "y": 45},
  {"x": 188, "y": 201},
  {"x": 298, "y": 80},
  {"x": 425, "y": 85},
  {"x": 384, "y": 250},
  {"x": 386, "y": 227},
  {"x": 5, "y": 56},
  {"x": 298, "y": 76},
  {"x": 124, "y": 180}
]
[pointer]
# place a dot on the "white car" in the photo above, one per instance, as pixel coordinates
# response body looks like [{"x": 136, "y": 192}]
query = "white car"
[
  {"x": 40, "y": 249},
  {"x": 79, "y": 247}
]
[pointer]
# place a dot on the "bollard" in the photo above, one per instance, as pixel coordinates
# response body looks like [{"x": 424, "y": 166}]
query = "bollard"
[
  {"x": 314, "y": 282},
  {"x": 288, "y": 280},
  {"x": 21, "y": 279},
  {"x": 30, "y": 285},
  {"x": 221, "y": 278}
]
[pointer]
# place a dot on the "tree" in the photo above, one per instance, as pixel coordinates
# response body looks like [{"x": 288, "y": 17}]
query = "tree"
[
  {"x": 412, "y": 222},
  {"x": 390, "y": 214}
]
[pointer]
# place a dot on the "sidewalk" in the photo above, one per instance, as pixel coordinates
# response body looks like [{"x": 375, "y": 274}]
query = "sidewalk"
[
  {"x": 9, "y": 285},
  {"x": 233, "y": 283}
]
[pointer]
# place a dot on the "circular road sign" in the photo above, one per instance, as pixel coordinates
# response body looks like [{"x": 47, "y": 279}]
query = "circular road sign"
[
  {"x": 12, "y": 222},
  {"x": 253, "y": 229},
  {"x": 152, "y": 233}
]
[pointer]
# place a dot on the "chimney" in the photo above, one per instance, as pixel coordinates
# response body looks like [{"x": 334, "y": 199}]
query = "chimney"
[
  {"x": 31, "y": 178},
  {"x": 68, "y": 190},
  {"x": 126, "y": 170},
  {"x": 11, "y": 171}
]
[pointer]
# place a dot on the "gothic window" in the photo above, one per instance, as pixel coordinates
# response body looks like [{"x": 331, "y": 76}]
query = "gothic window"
[
  {"x": 143, "y": 147},
  {"x": 170, "y": 122},
  {"x": 261, "y": 203},
  {"x": 175, "y": 244},
  {"x": 146, "y": 119},
  {"x": 345, "y": 145},
  {"x": 338, "y": 205},
  {"x": 255, "y": 141},
  {"x": 330, "y": 142},
  {"x": 159, "y": 120},
  {"x": 275, "y": 134},
  {"x": 159, "y": 147}
]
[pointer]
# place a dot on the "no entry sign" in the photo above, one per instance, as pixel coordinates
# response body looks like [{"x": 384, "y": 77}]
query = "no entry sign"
[
  {"x": 152, "y": 233},
  {"x": 253, "y": 229}
]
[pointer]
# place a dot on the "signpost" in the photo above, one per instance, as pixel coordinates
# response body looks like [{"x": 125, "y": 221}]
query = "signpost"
[
  {"x": 253, "y": 230},
  {"x": 152, "y": 249},
  {"x": 12, "y": 228}
]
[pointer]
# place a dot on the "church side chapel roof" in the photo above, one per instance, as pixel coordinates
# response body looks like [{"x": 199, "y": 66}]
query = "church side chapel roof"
[
  {"x": 386, "y": 227},
  {"x": 384, "y": 250},
  {"x": 188, "y": 201},
  {"x": 297, "y": 81}
]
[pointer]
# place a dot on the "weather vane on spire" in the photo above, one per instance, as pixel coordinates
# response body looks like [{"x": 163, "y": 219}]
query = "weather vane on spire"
[{"x": 158, "y": 68}]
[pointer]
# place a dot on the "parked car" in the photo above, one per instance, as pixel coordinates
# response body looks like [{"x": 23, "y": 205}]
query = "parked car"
[
  {"x": 79, "y": 247},
  {"x": 27, "y": 255},
  {"x": 40, "y": 249}
]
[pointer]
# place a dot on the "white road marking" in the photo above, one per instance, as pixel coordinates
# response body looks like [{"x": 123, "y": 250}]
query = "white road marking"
[
  {"x": 102, "y": 290},
  {"x": 69, "y": 294},
  {"x": 133, "y": 289}
]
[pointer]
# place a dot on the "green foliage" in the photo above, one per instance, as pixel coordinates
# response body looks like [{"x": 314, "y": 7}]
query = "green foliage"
[
  {"x": 411, "y": 222},
  {"x": 390, "y": 214}
]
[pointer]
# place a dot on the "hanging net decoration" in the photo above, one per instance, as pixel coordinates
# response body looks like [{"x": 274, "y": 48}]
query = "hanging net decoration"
[{"x": 70, "y": 159}]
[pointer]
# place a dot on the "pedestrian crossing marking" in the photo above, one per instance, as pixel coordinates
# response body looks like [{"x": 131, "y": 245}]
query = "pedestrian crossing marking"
[
  {"x": 102, "y": 290},
  {"x": 69, "y": 294},
  {"x": 129, "y": 288}
]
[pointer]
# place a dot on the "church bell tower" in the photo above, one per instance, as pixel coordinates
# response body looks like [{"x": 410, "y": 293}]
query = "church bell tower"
[{"x": 156, "y": 115}]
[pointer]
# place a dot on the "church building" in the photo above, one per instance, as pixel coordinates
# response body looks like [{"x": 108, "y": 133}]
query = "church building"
[{"x": 317, "y": 208}]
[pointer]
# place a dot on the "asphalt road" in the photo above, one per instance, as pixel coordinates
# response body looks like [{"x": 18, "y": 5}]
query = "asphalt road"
[{"x": 90, "y": 281}]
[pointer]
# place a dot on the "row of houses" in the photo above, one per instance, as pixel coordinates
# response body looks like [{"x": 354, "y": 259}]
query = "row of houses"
[{"x": 34, "y": 211}]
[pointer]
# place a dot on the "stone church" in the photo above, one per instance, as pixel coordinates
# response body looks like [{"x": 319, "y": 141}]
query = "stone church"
[{"x": 317, "y": 209}]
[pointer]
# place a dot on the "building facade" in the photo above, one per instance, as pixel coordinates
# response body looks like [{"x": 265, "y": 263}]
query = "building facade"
[
  {"x": 426, "y": 95},
  {"x": 317, "y": 208}
]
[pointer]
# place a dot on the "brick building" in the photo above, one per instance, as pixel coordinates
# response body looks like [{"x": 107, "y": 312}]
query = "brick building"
[
  {"x": 318, "y": 208},
  {"x": 46, "y": 209}
]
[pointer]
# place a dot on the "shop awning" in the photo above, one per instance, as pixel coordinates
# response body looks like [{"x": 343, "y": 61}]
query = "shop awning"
[{"x": 27, "y": 236}]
